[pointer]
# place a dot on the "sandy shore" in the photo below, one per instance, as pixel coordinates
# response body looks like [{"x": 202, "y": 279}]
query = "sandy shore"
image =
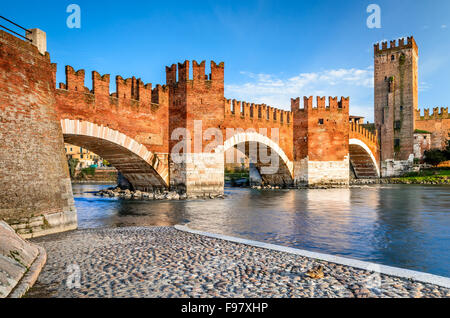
[{"x": 165, "y": 262}]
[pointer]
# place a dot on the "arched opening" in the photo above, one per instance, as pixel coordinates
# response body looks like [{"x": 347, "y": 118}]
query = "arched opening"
[
  {"x": 363, "y": 164},
  {"x": 266, "y": 161},
  {"x": 139, "y": 166}
]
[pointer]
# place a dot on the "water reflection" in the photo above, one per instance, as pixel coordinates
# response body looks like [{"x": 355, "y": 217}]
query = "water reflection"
[{"x": 404, "y": 226}]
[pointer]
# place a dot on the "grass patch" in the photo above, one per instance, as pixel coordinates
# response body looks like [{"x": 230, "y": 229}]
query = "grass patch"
[
  {"x": 236, "y": 175},
  {"x": 426, "y": 176},
  {"x": 418, "y": 131},
  {"x": 434, "y": 172}
]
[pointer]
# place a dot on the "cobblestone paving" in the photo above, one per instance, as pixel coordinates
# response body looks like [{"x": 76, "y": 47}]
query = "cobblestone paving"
[{"x": 164, "y": 262}]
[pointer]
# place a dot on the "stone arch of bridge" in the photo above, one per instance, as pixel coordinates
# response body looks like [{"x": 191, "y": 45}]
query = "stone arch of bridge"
[
  {"x": 363, "y": 159},
  {"x": 142, "y": 168},
  {"x": 283, "y": 172}
]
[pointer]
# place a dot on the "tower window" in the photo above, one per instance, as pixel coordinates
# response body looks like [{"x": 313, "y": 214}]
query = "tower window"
[
  {"x": 321, "y": 121},
  {"x": 396, "y": 143},
  {"x": 401, "y": 108},
  {"x": 397, "y": 124},
  {"x": 392, "y": 57}
]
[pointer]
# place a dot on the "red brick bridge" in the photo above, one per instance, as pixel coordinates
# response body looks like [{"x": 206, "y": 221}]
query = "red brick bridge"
[
  {"x": 137, "y": 129},
  {"x": 176, "y": 135}
]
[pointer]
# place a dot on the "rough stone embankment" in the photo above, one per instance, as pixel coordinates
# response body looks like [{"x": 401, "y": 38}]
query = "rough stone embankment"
[
  {"x": 156, "y": 195},
  {"x": 20, "y": 263},
  {"x": 165, "y": 262}
]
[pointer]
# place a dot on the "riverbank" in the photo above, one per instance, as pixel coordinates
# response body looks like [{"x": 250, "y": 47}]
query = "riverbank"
[
  {"x": 93, "y": 182},
  {"x": 435, "y": 180},
  {"x": 166, "y": 262},
  {"x": 95, "y": 175}
]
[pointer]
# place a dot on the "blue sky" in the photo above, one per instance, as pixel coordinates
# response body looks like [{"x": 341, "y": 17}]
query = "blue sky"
[{"x": 273, "y": 50}]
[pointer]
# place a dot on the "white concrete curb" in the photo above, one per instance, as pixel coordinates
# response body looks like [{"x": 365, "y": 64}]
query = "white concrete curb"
[
  {"x": 31, "y": 276},
  {"x": 373, "y": 267}
]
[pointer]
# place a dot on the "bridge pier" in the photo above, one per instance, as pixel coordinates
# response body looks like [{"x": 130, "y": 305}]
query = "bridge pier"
[
  {"x": 254, "y": 175},
  {"x": 35, "y": 188},
  {"x": 315, "y": 173},
  {"x": 198, "y": 174}
]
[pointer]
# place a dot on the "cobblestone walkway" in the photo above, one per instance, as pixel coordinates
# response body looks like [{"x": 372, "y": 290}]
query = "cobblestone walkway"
[{"x": 164, "y": 262}]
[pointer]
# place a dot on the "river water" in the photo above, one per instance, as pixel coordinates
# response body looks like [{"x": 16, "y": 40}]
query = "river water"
[{"x": 407, "y": 226}]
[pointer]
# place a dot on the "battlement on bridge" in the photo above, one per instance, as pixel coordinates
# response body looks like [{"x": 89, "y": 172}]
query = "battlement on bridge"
[
  {"x": 333, "y": 104},
  {"x": 358, "y": 131},
  {"x": 199, "y": 76},
  {"x": 395, "y": 45},
  {"x": 252, "y": 111},
  {"x": 130, "y": 91},
  {"x": 133, "y": 109},
  {"x": 437, "y": 113}
]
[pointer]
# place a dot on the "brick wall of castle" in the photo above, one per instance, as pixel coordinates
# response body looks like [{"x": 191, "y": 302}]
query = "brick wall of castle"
[
  {"x": 262, "y": 119},
  {"x": 134, "y": 109},
  {"x": 437, "y": 123},
  {"x": 35, "y": 188}
]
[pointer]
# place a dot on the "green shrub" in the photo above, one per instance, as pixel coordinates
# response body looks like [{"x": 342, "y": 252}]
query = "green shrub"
[
  {"x": 88, "y": 171},
  {"x": 434, "y": 156}
]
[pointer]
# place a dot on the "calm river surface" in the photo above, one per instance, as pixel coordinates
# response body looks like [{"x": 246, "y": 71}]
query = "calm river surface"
[{"x": 406, "y": 226}]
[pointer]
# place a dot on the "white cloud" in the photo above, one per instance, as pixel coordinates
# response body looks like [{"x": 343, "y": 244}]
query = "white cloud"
[
  {"x": 277, "y": 91},
  {"x": 424, "y": 86},
  {"x": 444, "y": 26}
]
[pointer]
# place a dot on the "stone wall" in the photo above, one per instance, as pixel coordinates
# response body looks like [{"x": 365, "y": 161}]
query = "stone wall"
[
  {"x": 329, "y": 172},
  {"x": 35, "y": 181},
  {"x": 199, "y": 174},
  {"x": 393, "y": 168}
]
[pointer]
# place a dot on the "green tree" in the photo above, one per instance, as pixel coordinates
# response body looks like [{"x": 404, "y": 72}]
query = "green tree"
[
  {"x": 447, "y": 149},
  {"x": 73, "y": 163},
  {"x": 434, "y": 156}
]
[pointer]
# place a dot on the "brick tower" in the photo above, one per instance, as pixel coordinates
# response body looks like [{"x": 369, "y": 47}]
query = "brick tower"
[
  {"x": 196, "y": 104},
  {"x": 321, "y": 134},
  {"x": 396, "y": 99}
]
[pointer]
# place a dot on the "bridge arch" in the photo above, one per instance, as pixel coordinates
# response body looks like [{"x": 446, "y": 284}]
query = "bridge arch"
[
  {"x": 142, "y": 168},
  {"x": 363, "y": 159},
  {"x": 284, "y": 173}
]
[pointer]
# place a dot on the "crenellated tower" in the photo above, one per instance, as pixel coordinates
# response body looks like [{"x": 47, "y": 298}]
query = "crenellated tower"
[
  {"x": 396, "y": 97},
  {"x": 196, "y": 104},
  {"x": 321, "y": 140},
  {"x": 198, "y": 98}
]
